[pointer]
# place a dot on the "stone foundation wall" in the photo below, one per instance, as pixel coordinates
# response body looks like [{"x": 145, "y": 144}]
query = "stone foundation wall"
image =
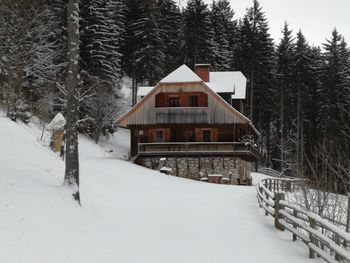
[{"x": 198, "y": 167}]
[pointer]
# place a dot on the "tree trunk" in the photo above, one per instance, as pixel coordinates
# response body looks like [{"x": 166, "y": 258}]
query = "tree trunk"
[
  {"x": 282, "y": 129},
  {"x": 251, "y": 93},
  {"x": 134, "y": 88},
  {"x": 298, "y": 131},
  {"x": 73, "y": 79}
]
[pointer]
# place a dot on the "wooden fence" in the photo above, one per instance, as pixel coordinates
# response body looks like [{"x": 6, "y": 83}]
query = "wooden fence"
[
  {"x": 323, "y": 238},
  {"x": 270, "y": 172}
]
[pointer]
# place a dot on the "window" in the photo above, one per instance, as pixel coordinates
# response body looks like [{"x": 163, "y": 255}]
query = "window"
[
  {"x": 206, "y": 136},
  {"x": 159, "y": 136},
  {"x": 174, "y": 102},
  {"x": 194, "y": 101}
]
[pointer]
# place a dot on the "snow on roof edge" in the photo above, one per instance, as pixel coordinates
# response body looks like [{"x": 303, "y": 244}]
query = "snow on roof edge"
[{"x": 181, "y": 74}]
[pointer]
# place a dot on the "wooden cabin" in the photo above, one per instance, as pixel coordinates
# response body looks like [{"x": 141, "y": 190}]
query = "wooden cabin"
[{"x": 183, "y": 124}]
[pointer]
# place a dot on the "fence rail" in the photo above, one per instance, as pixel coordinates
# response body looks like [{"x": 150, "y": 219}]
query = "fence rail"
[
  {"x": 270, "y": 172},
  {"x": 321, "y": 236}
]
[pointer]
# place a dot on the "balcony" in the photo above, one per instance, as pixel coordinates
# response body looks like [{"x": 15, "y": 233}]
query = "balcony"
[
  {"x": 195, "y": 149},
  {"x": 181, "y": 115}
]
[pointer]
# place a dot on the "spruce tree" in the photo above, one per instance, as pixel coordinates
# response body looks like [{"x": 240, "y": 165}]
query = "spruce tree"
[
  {"x": 144, "y": 47},
  {"x": 101, "y": 36},
  {"x": 129, "y": 45},
  {"x": 287, "y": 105},
  {"x": 198, "y": 34},
  {"x": 169, "y": 19},
  {"x": 101, "y": 39},
  {"x": 29, "y": 56},
  {"x": 334, "y": 92},
  {"x": 306, "y": 74},
  {"x": 255, "y": 57},
  {"x": 59, "y": 36},
  {"x": 224, "y": 27},
  {"x": 150, "y": 52}
]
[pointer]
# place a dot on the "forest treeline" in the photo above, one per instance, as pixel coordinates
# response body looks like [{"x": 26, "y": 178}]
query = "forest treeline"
[{"x": 298, "y": 94}]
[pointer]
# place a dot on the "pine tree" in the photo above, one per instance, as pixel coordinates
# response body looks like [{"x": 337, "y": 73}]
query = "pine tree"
[
  {"x": 170, "y": 23},
  {"x": 103, "y": 25},
  {"x": 129, "y": 45},
  {"x": 59, "y": 33},
  {"x": 285, "y": 65},
  {"x": 198, "y": 34},
  {"x": 30, "y": 53},
  {"x": 150, "y": 51},
  {"x": 307, "y": 82},
  {"x": 254, "y": 56},
  {"x": 335, "y": 84},
  {"x": 144, "y": 46},
  {"x": 312, "y": 105},
  {"x": 224, "y": 27},
  {"x": 13, "y": 51}
]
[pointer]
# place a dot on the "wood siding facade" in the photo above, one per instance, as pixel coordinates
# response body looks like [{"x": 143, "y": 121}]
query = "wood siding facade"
[{"x": 217, "y": 111}]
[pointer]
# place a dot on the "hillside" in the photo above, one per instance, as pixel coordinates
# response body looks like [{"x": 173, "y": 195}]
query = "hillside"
[{"x": 128, "y": 213}]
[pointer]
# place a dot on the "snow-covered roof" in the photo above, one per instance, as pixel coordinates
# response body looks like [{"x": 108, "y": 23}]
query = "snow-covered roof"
[
  {"x": 57, "y": 123},
  {"x": 227, "y": 82},
  {"x": 181, "y": 74},
  {"x": 143, "y": 91},
  {"x": 220, "y": 82},
  {"x": 221, "y": 87}
]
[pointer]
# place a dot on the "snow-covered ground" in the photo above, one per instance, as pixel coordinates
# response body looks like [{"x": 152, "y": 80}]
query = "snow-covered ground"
[{"x": 128, "y": 214}]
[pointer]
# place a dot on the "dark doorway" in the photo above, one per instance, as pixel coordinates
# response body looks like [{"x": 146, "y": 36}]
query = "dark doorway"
[
  {"x": 160, "y": 136},
  {"x": 174, "y": 102},
  {"x": 206, "y": 136},
  {"x": 194, "y": 101}
]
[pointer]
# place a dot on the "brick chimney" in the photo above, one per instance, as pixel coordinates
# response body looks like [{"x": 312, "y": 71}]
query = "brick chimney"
[{"x": 202, "y": 71}]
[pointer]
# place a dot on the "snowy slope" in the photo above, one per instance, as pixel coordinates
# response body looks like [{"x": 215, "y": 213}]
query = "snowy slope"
[{"x": 128, "y": 214}]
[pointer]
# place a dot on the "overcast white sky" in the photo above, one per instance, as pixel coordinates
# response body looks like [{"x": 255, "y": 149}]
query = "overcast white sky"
[{"x": 316, "y": 18}]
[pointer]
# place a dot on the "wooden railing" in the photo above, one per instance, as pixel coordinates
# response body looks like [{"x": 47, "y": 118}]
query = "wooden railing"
[
  {"x": 194, "y": 148},
  {"x": 182, "y": 115},
  {"x": 270, "y": 172},
  {"x": 322, "y": 237},
  {"x": 283, "y": 184}
]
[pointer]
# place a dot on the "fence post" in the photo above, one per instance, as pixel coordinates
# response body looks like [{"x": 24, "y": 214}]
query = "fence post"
[
  {"x": 337, "y": 241},
  {"x": 288, "y": 187},
  {"x": 267, "y": 198},
  {"x": 347, "y": 227},
  {"x": 312, "y": 238},
  {"x": 260, "y": 191},
  {"x": 278, "y": 207},
  {"x": 295, "y": 226}
]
